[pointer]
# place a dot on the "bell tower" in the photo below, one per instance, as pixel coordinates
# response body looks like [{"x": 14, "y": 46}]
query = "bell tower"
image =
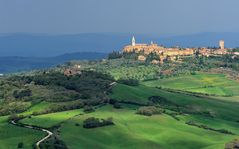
[
  {"x": 133, "y": 41},
  {"x": 222, "y": 44}
]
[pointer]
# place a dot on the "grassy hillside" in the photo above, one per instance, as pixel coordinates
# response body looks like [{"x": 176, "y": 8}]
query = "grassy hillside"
[
  {"x": 187, "y": 103},
  {"x": 139, "y": 132},
  {"x": 49, "y": 120},
  {"x": 124, "y": 68},
  {"x": 11, "y": 135},
  {"x": 136, "y": 131},
  {"x": 37, "y": 108},
  {"x": 215, "y": 84},
  {"x": 62, "y": 103},
  {"x": 213, "y": 122}
]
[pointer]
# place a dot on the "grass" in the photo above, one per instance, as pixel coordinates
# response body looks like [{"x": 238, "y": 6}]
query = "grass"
[
  {"x": 135, "y": 131},
  {"x": 37, "y": 108},
  {"x": 218, "y": 107},
  {"x": 139, "y": 132},
  {"x": 125, "y": 68},
  {"x": 137, "y": 94},
  {"x": 213, "y": 122},
  {"x": 11, "y": 135},
  {"x": 135, "y": 72},
  {"x": 50, "y": 120},
  {"x": 215, "y": 84}
]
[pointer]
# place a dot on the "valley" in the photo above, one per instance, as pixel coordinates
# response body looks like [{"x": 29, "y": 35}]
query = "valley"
[{"x": 124, "y": 102}]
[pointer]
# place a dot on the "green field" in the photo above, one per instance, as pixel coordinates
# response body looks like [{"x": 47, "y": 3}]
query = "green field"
[
  {"x": 135, "y": 72},
  {"x": 37, "y": 108},
  {"x": 136, "y": 131},
  {"x": 11, "y": 135},
  {"x": 52, "y": 119},
  {"x": 213, "y": 122},
  {"x": 126, "y": 69},
  {"x": 214, "y": 84},
  {"x": 219, "y": 107},
  {"x": 139, "y": 132},
  {"x": 132, "y": 130}
]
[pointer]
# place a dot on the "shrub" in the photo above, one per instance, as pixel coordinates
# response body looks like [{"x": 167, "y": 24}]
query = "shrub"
[
  {"x": 13, "y": 107},
  {"x": 131, "y": 82},
  {"x": 115, "y": 55},
  {"x": 192, "y": 123},
  {"x": 159, "y": 100},
  {"x": 113, "y": 101},
  {"x": 53, "y": 143},
  {"x": 22, "y": 93},
  {"x": 96, "y": 122},
  {"x": 20, "y": 145},
  {"x": 149, "y": 111},
  {"x": 88, "y": 109},
  {"x": 117, "y": 105},
  {"x": 15, "y": 117},
  {"x": 193, "y": 73}
]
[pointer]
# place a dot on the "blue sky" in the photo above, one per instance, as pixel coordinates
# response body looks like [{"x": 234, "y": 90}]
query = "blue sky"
[{"x": 121, "y": 16}]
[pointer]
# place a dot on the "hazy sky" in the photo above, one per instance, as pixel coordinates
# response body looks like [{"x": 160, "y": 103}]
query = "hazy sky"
[{"x": 126, "y": 16}]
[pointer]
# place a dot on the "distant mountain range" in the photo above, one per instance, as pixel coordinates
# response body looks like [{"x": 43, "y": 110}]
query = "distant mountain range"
[
  {"x": 31, "y": 51},
  {"x": 43, "y": 45},
  {"x": 16, "y": 64}
]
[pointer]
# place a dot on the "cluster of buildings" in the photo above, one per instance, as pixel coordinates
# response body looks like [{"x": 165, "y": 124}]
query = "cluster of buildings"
[
  {"x": 172, "y": 53},
  {"x": 75, "y": 70}
]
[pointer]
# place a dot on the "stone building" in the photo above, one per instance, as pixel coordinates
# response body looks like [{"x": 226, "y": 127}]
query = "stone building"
[
  {"x": 172, "y": 52},
  {"x": 154, "y": 48},
  {"x": 141, "y": 58},
  {"x": 75, "y": 70}
]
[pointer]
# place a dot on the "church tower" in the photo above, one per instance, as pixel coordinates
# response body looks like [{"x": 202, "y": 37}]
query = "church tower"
[
  {"x": 133, "y": 41},
  {"x": 222, "y": 44}
]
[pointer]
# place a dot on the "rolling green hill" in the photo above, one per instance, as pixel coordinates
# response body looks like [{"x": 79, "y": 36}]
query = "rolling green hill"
[
  {"x": 50, "y": 120},
  {"x": 139, "y": 132},
  {"x": 188, "y": 103},
  {"x": 159, "y": 131},
  {"x": 11, "y": 136},
  {"x": 196, "y": 111},
  {"x": 214, "y": 84}
]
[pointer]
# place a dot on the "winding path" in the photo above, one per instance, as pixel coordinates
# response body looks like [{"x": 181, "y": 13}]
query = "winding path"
[{"x": 49, "y": 133}]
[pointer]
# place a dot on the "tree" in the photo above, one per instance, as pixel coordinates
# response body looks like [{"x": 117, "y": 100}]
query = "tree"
[
  {"x": 22, "y": 93},
  {"x": 117, "y": 105},
  {"x": 152, "y": 56},
  {"x": 20, "y": 145},
  {"x": 197, "y": 53},
  {"x": 149, "y": 111},
  {"x": 88, "y": 109},
  {"x": 115, "y": 55},
  {"x": 93, "y": 122},
  {"x": 131, "y": 82}
]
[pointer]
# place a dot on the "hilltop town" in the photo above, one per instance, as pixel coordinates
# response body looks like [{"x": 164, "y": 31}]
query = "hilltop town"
[{"x": 173, "y": 53}]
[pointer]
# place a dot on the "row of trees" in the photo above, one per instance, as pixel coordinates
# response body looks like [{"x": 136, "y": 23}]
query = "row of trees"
[
  {"x": 93, "y": 122},
  {"x": 192, "y": 123},
  {"x": 149, "y": 110},
  {"x": 19, "y": 94},
  {"x": 88, "y": 85},
  {"x": 131, "y": 82}
]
